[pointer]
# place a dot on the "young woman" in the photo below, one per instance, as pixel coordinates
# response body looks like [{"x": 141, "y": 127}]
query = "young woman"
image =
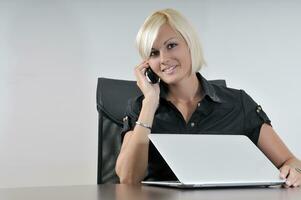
[{"x": 185, "y": 102}]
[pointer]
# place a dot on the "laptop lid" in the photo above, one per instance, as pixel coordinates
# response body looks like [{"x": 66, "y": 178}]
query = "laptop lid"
[{"x": 213, "y": 160}]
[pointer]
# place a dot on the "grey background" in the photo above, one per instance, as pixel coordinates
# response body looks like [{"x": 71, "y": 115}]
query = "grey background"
[{"x": 51, "y": 53}]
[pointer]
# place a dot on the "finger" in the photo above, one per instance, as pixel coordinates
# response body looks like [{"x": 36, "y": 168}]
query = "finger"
[
  {"x": 140, "y": 75},
  {"x": 140, "y": 69},
  {"x": 291, "y": 182},
  {"x": 297, "y": 183},
  {"x": 285, "y": 186},
  {"x": 292, "y": 177},
  {"x": 284, "y": 171},
  {"x": 284, "y": 174},
  {"x": 142, "y": 65},
  {"x": 142, "y": 80}
]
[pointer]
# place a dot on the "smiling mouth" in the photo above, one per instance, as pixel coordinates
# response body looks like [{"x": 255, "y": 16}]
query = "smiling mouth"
[{"x": 169, "y": 69}]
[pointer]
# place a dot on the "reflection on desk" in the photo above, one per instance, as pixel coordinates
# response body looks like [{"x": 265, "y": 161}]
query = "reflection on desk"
[{"x": 141, "y": 192}]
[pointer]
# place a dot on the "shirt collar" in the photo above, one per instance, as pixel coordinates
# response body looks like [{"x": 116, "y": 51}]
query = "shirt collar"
[{"x": 208, "y": 89}]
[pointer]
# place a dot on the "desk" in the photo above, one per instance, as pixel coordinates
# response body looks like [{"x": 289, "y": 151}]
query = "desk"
[{"x": 138, "y": 192}]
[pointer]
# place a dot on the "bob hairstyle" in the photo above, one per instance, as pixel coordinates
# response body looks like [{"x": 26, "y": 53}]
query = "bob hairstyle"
[{"x": 150, "y": 28}]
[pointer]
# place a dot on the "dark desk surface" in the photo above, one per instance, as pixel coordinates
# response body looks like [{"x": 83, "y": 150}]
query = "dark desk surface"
[{"x": 128, "y": 192}]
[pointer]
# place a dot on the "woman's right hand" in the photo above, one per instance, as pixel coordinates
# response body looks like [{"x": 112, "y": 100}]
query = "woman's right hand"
[
  {"x": 131, "y": 164},
  {"x": 150, "y": 91}
]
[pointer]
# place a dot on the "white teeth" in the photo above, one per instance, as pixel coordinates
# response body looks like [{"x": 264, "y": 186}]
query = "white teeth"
[{"x": 169, "y": 69}]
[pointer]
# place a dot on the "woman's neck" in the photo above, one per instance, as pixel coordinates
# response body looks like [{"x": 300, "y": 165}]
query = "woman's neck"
[{"x": 187, "y": 90}]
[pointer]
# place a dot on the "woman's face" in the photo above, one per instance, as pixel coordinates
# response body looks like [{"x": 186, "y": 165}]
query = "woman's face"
[{"x": 170, "y": 57}]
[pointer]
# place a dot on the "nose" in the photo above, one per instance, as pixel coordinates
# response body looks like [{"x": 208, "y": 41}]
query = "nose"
[{"x": 164, "y": 57}]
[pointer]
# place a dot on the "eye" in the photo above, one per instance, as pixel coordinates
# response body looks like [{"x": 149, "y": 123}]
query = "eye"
[
  {"x": 171, "y": 45},
  {"x": 154, "y": 53}
]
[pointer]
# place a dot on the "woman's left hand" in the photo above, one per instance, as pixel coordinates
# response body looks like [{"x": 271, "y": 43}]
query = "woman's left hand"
[{"x": 292, "y": 175}]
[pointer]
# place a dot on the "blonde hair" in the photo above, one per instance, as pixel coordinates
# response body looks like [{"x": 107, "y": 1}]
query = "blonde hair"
[{"x": 150, "y": 28}]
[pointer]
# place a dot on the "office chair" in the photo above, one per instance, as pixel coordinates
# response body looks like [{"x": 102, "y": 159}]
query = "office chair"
[{"x": 111, "y": 97}]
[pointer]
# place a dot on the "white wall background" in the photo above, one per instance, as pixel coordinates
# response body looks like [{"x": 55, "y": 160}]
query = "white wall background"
[{"x": 51, "y": 53}]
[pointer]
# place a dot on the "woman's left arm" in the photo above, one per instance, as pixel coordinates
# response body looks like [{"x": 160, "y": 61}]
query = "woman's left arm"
[{"x": 274, "y": 148}]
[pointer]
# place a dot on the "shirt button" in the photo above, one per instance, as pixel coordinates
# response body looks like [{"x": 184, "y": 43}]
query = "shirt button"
[
  {"x": 125, "y": 118},
  {"x": 192, "y": 124},
  {"x": 258, "y": 109}
]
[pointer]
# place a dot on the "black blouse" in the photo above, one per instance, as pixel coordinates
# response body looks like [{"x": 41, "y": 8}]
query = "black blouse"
[{"x": 222, "y": 111}]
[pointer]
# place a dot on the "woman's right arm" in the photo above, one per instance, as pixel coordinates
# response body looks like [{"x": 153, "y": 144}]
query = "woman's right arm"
[{"x": 131, "y": 164}]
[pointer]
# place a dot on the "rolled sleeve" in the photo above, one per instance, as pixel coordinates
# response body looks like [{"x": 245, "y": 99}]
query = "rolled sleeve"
[{"x": 254, "y": 117}]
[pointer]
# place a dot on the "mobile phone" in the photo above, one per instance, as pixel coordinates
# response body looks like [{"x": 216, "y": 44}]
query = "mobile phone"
[{"x": 151, "y": 76}]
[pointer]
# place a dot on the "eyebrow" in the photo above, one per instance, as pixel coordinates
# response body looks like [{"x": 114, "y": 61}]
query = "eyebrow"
[{"x": 165, "y": 42}]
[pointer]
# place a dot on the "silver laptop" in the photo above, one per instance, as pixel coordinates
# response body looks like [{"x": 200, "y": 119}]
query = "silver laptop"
[{"x": 214, "y": 161}]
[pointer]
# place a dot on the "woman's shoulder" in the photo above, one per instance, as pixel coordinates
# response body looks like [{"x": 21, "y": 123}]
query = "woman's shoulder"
[
  {"x": 226, "y": 90},
  {"x": 229, "y": 94},
  {"x": 218, "y": 90}
]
